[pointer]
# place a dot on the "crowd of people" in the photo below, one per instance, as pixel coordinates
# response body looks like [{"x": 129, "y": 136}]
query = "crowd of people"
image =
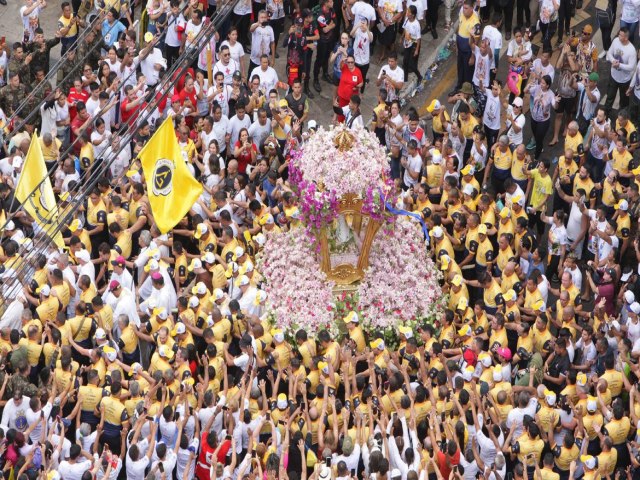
[{"x": 133, "y": 353}]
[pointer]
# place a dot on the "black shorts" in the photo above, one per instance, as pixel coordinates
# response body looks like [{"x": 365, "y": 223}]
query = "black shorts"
[{"x": 567, "y": 105}]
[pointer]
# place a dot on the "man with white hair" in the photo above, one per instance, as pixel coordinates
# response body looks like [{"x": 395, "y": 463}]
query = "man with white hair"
[
  {"x": 249, "y": 293},
  {"x": 123, "y": 302}
]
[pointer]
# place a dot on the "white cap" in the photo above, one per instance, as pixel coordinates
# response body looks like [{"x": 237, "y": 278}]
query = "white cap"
[
  {"x": 468, "y": 189},
  {"x": 194, "y": 301},
  {"x": 243, "y": 281},
  {"x": 629, "y": 296},
  {"x": 83, "y": 255},
  {"x": 260, "y": 239},
  {"x": 100, "y": 334},
  {"x": 180, "y": 328},
  {"x": 218, "y": 294},
  {"x": 437, "y": 231},
  {"x": 10, "y": 226},
  {"x": 209, "y": 257},
  {"x": 44, "y": 290},
  {"x": 312, "y": 124},
  {"x": 239, "y": 251},
  {"x": 635, "y": 308}
]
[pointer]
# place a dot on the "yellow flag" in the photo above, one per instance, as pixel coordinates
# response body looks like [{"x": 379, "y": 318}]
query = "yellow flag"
[
  {"x": 171, "y": 188},
  {"x": 36, "y": 195}
]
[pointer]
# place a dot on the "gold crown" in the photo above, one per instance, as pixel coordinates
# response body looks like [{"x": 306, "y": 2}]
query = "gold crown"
[{"x": 343, "y": 140}]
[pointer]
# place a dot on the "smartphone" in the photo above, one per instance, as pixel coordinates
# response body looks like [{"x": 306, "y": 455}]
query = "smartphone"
[
  {"x": 327, "y": 461},
  {"x": 161, "y": 467},
  {"x": 353, "y": 472},
  {"x": 150, "y": 418}
]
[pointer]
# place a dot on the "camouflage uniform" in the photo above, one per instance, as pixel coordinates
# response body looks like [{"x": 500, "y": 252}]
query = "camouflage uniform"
[
  {"x": 22, "y": 69},
  {"x": 18, "y": 382},
  {"x": 11, "y": 98},
  {"x": 41, "y": 56}
]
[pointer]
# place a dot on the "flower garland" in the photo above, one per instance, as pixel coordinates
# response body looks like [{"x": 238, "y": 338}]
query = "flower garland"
[
  {"x": 299, "y": 295},
  {"x": 401, "y": 283}
]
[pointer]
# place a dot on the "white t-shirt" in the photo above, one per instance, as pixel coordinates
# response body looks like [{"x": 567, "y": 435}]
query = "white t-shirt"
[
  {"x": 362, "y": 47},
  {"x": 363, "y": 11},
  {"x": 415, "y": 165},
  {"x": 243, "y": 7},
  {"x": 483, "y": 66},
  {"x": 413, "y": 28},
  {"x": 261, "y": 40},
  {"x": 421, "y": 7},
  {"x": 494, "y": 36},
  {"x": 172, "y": 29},
  {"x": 396, "y": 75},
  {"x": 237, "y": 51},
  {"x": 234, "y": 127},
  {"x": 192, "y": 31},
  {"x": 221, "y": 127},
  {"x": 73, "y": 471},
  {"x": 515, "y": 137},
  {"x": 258, "y": 133},
  {"x": 221, "y": 97},
  {"x": 135, "y": 470},
  {"x": 227, "y": 69},
  {"x": 491, "y": 116},
  {"x": 30, "y": 22},
  {"x": 268, "y": 77},
  {"x": 626, "y": 55},
  {"x": 183, "y": 458}
]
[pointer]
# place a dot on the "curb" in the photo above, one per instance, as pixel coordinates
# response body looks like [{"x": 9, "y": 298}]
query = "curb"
[{"x": 408, "y": 89}]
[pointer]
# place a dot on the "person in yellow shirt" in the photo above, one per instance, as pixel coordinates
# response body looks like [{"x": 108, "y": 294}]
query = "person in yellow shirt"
[
  {"x": 356, "y": 334},
  {"x": 499, "y": 164},
  {"x": 469, "y": 25},
  {"x": 541, "y": 189}
]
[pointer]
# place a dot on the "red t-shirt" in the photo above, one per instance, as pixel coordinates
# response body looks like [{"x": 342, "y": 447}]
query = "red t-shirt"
[
  {"x": 131, "y": 115},
  {"x": 349, "y": 81},
  {"x": 74, "y": 97},
  {"x": 244, "y": 159},
  {"x": 75, "y": 124},
  {"x": 444, "y": 466}
]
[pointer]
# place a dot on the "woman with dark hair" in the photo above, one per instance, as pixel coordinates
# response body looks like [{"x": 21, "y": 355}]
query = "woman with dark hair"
[{"x": 542, "y": 101}]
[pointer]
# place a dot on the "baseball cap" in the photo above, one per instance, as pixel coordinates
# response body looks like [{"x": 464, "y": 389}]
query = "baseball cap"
[
  {"x": 434, "y": 105},
  {"x": 517, "y": 102},
  {"x": 100, "y": 334},
  {"x": 457, "y": 280},
  {"x": 464, "y": 331},
  {"x": 119, "y": 261},
  {"x": 622, "y": 205},
  {"x": 406, "y": 331},
  {"x": 437, "y": 232},
  {"x": 114, "y": 285},
  {"x": 201, "y": 229},
  {"x": 44, "y": 290},
  {"x": 504, "y": 352},
  {"x": 148, "y": 37},
  {"x": 312, "y": 125},
  {"x": 593, "y": 76},
  {"x": 352, "y": 317},
  {"x": 482, "y": 229},
  {"x": 237, "y": 74}
]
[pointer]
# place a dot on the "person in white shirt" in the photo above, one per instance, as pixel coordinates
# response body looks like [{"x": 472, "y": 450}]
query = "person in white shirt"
[
  {"x": 494, "y": 36},
  {"x": 151, "y": 61},
  {"x": 220, "y": 92},
  {"x": 267, "y": 75},
  {"x": 515, "y": 121},
  {"x": 412, "y": 164},
  {"x": 235, "y": 47},
  {"x": 411, "y": 44},
  {"x": 74, "y": 467},
  {"x": 226, "y": 65},
  {"x": 491, "y": 117},
  {"x": 363, "y": 11},
  {"x": 239, "y": 121},
  {"x": 362, "y": 38},
  {"x": 350, "y": 112},
  {"x": 192, "y": 30},
  {"x": 623, "y": 58},
  {"x": 262, "y": 41},
  {"x": 138, "y": 461},
  {"x": 391, "y": 77},
  {"x": 175, "y": 24}
]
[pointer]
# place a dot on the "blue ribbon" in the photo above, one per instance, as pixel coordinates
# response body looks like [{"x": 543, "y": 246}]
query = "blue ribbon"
[{"x": 396, "y": 211}]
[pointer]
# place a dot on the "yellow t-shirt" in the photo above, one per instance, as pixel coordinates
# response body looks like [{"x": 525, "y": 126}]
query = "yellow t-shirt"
[{"x": 542, "y": 186}]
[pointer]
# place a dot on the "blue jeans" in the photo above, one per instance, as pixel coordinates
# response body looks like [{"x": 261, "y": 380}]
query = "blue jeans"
[{"x": 633, "y": 28}]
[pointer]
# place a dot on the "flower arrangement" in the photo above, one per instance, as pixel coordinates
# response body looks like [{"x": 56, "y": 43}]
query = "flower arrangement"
[
  {"x": 341, "y": 170},
  {"x": 326, "y": 169},
  {"x": 401, "y": 283},
  {"x": 299, "y": 295}
]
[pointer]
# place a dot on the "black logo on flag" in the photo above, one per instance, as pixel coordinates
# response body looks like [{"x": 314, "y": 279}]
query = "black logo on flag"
[{"x": 163, "y": 177}]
